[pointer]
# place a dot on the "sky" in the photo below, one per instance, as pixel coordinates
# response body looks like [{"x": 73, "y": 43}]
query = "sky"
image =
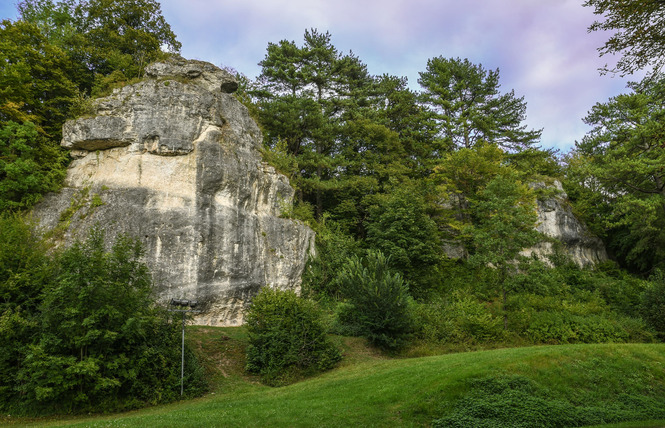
[{"x": 541, "y": 47}]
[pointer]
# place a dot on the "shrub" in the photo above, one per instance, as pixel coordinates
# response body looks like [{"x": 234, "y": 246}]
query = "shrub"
[
  {"x": 564, "y": 327},
  {"x": 99, "y": 342},
  {"x": 653, "y": 304},
  {"x": 333, "y": 248},
  {"x": 460, "y": 319},
  {"x": 515, "y": 401},
  {"x": 24, "y": 269},
  {"x": 379, "y": 303},
  {"x": 399, "y": 225},
  {"x": 287, "y": 338}
]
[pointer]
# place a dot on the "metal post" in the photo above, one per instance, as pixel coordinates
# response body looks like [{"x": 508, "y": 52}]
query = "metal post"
[
  {"x": 191, "y": 304},
  {"x": 182, "y": 366}
]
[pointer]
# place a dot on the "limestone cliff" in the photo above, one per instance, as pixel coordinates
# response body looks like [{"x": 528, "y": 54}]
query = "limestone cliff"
[
  {"x": 174, "y": 160},
  {"x": 557, "y": 221}
]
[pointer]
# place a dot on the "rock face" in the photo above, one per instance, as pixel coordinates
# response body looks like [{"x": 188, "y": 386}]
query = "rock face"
[
  {"x": 174, "y": 160},
  {"x": 557, "y": 221},
  {"x": 559, "y": 225}
]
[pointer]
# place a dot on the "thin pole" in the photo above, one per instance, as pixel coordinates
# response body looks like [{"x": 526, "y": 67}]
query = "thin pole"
[{"x": 182, "y": 365}]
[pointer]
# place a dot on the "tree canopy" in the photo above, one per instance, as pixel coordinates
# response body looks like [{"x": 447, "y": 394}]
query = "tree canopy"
[
  {"x": 469, "y": 107},
  {"x": 637, "y": 33},
  {"x": 616, "y": 173}
]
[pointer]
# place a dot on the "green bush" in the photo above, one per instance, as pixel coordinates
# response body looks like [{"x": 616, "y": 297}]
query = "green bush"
[
  {"x": 379, "y": 306},
  {"x": 653, "y": 304},
  {"x": 459, "y": 319},
  {"x": 564, "y": 327},
  {"x": 24, "y": 270},
  {"x": 398, "y": 224},
  {"x": 333, "y": 248},
  {"x": 287, "y": 339},
  {"x": 97, "y": 342}
]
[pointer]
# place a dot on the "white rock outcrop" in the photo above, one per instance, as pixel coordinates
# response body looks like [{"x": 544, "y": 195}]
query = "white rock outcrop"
[
  {"x": 557, "y": 221},
  {"x": 174, "y": 160}
]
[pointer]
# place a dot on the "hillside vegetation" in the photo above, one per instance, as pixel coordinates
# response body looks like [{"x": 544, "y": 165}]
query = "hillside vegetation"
[
  {"x": 394, "y": 181},
  {"x": 571, "y": 385}
]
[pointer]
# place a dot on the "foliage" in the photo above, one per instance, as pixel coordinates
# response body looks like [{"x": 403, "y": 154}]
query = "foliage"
[
  {"x": 469, "y": 107},
  {"x": 399, "y": 226},
  {"x": 30, "y": 166},
  {"x": 302, "y": 92},
  {"x": 103, "y": 35},
  {"x": 615, "y": 175},
  {"x": 518, "y": 401},
  {"x": 97, "y": 342},
  {"x": 25, "y": 268},
  {"x": 563, "y": 327},
  {"x": 636, "y": 27},
  {"x": 35, "y": 79},
  {"x": 287, "y": 338},
  {"x": 379, "y": 304},
  {"x": 653, "y": 303},
  {"x": 458, "y": 319},
  {"x": 283, "y": 161},
  {"x": 333, "y": 248},
  {"x": 413, "y": 123},
  {"x": 506, "y": 220}
]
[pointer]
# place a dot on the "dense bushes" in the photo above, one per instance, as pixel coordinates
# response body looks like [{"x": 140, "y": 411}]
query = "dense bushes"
[
  {"x": 653, "y": 304},
  {"x": 458, "y": 319},
  {"x": 287, "y": 338},
  {"x": 87, "y": 337},
  {"x": 379, "y": 305}
]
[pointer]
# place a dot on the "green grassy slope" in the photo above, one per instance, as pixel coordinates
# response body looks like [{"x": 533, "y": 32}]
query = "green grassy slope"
[{"x": 369, "y": 390}]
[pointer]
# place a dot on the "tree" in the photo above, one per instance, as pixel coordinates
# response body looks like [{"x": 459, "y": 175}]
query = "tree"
[
  {"x": 123, "y": 35},
  {"x": 30, "y": 166},
  {"x": 399, "y": 226},
  {"x": 54, "y": 20},
  {"x": 379, "y": 301},
  {"x": 103, "y": 36},
  {"x": 101, "y": 342},
  {"x": 616, "y": 175},
  {"x": 469, "y": 107},
  {"x": 653, "y": 303},
  {"x": 505, "y": 218},
  {"x": 49, "y": 61},
  {"x": 25, "y": 269},
  {"x": 34, "y": 82},
  {"x": 399, "y": 109},
  {"x": 306, "y": 94},
  {"x": 637, "y": 33}
]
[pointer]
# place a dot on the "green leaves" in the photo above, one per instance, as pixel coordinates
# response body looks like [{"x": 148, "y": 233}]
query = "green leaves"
[
  {"x": 469, "y": 108},
  {"x": 637, "y": 33},
  {"x": 379, "y": 301},
  {"x": 81, "y": 332},
  {"x": 287, "y": 338},
  {"x": 616, "y": 175}
]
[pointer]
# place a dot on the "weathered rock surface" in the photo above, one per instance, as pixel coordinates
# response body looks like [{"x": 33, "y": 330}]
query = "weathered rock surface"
[
  {"x": 174, "y": 160},
  {"x": 559, "y": 225},
  {"x": 556, "y": 220}
]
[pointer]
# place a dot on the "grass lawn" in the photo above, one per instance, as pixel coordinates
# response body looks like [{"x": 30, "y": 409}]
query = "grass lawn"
[{"x": 368, "y": 389}]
